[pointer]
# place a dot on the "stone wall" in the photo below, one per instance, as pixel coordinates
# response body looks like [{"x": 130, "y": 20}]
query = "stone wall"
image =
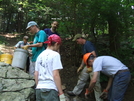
[{"x": 15, "y": 84}]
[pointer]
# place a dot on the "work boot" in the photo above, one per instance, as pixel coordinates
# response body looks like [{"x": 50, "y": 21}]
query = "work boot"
[{"x": 70, "y": 93}]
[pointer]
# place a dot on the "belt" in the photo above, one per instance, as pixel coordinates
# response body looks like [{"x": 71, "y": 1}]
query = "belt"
[{"x": 121, "y": 71}]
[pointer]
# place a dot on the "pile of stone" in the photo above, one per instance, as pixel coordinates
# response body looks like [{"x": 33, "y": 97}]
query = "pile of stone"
[{"x": 15, "y": 84}]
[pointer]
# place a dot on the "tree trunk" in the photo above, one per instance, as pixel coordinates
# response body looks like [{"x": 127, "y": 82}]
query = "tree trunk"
[{"x": 114, "y": 39}]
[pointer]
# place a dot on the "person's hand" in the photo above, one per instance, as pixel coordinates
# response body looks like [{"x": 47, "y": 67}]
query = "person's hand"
[
  {"x": 89, "y": 69},
  {"x": 104, "y": 94},
  {"x": 79, "y": 69},
  {"x": 30, "y": 55},
  {"x": 62, "y": 97},
  {"x": 30, "y": 42},
  {"x": 87, "y": 93},
  {"x": 25, "y": 47}
]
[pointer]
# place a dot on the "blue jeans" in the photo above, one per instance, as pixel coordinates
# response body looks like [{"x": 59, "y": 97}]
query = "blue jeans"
[{"x": 119, "y": 86}]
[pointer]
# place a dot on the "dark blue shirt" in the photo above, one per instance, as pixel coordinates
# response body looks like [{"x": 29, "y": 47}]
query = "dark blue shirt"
[
  {"x": 49, "y": 32},
  {"x": 88, "y": 47}
]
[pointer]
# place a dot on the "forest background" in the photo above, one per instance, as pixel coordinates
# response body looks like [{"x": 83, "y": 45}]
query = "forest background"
[{"x": 109, "y": 24}]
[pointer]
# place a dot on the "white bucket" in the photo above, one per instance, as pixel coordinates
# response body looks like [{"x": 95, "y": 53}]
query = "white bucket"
[{"x": 20, "y": 58}]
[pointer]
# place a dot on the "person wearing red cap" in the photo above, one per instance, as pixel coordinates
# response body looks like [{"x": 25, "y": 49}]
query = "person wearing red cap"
[{"x": 47, "y": 77}]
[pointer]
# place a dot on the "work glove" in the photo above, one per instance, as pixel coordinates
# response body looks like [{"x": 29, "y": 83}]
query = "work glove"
[
  {"x": 62, "y": 97},
  {"x": 88, "y": 93},
  {"x": 104, "y": 94},
  {"x": 79, "y": 69},
  {"x": 25, "y": 47},
  {"x": 89, "y": 69}
]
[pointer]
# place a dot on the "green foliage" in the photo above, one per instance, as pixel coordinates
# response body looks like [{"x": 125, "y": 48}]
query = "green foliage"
[
  {"x": 21, "y": 12},
  {"x": 103, "y": 78},
  {"x": 108, "y": 23},
  {"x": 2, "y": 40}
]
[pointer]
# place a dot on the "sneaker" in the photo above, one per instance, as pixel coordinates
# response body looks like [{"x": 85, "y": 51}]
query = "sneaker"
[{"x": 70, "y": 93}]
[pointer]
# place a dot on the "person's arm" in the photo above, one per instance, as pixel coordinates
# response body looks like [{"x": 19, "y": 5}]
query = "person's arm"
[
  {"x": 93, "y": 52},
  {"x": 57, "y": 81},
  {"x": 32, "y": 45},
  {"x": 42, "y": 37},
  {"x": 30, "y": 42},
  {"x": 109, "y": 83},
  {"x": 104, "y": 94},
  {"x": 81, "y": 66},
  {"x": 93, "y": 81},
  {"x": 36, "y": 77},
  {"x": 36, "y": 45},
  {"x": 15, "y": 47}
]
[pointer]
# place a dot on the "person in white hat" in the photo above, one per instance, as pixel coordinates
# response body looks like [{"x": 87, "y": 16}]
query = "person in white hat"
[{"x": 37, "y": 46}]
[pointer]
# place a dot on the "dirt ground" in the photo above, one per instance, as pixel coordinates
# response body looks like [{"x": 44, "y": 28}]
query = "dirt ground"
[
  {"x": 70, "y": 75},
  {"x": 8, "y": 42}
]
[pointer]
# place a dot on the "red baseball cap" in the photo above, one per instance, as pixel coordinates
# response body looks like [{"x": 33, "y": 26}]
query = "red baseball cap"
[{"x": 53, "y": 38}]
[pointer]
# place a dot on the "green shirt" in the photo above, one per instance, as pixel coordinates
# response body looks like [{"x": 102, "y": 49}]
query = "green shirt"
[{"x": 39, "y": 37}]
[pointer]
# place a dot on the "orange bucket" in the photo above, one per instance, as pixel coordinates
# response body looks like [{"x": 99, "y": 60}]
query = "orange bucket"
[{"x": 6, "y": 58}]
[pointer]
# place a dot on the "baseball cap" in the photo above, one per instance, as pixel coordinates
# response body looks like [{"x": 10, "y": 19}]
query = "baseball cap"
[
  {"x": 77, "y": 36},
  {"x": 31, "y": 23},
  {"x": 53, "y": 38},
  {"x": 25, "y": 37}
]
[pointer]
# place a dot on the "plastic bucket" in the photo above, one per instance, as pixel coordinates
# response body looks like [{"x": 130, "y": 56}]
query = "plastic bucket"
[
  {"x": 6, "y": 58},
  {"x": 20, "y": 58}
]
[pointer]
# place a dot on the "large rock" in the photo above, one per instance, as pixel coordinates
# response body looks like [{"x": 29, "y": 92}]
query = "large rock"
[
  {"x": 15, "y": 84},
  {"x": 2, "y": 64},
  {"x": 11, "y": 96},
  {"x": 23, "y": 95}
]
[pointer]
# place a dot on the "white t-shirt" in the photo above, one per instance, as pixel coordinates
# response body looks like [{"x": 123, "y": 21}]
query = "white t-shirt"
[
  {"x": 46, "y": 63},
  {"x": 21, "y": 44},
  {"x": 108, "y": 65}
]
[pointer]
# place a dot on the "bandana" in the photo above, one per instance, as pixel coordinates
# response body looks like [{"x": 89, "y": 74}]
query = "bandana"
[{"x": 53, "y": 38}]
